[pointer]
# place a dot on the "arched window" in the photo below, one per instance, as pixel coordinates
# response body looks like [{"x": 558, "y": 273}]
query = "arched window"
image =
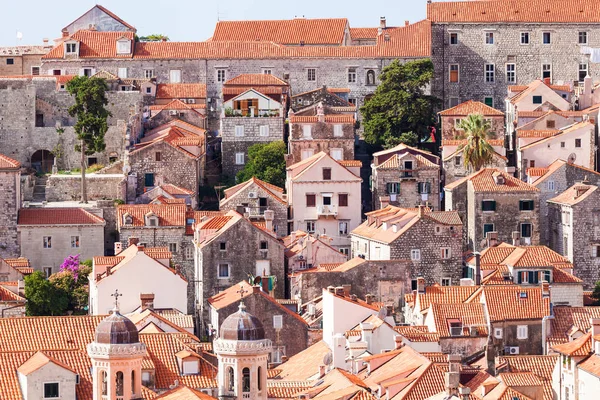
[
  {"x": 104, "y": 382},
  {"x": 370, "y": 77},
  {"x": 230, "y": 379},
  {"x": 259, "y": 379},
  {"x": 133, "y": 388},
  {"x": 246, "y": 380},
  {"x": 119, "y": 383}
]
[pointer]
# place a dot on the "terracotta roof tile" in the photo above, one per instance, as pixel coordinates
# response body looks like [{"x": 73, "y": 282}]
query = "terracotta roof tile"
[
  {"x": 582, "y": 346},
  {"x": 180, "y": 90},
  {"x": 536, "y": 171},
  {"x": 275, "y": 191},
  {"x": 469, "y": 315},
  {"x": 252, "y": 80},
  {"x": 8, "y": 163},
  {"x": 437, "y": 294},
  {"x": 471, "y": 107},
  {"x": 8, "y": 295},
  {"x": 176, "y": 190},
  {"x": 303, "y": 365},
  {"x": 177, "y": 104},
  {"x": 184, "y": 393},
  {"x": 520, "y": 379},
  {"x": 575, "y": 194},
  {"x": 394, "y": 162},
  {"x": 483, "y": 181},
  {"x": 513, "y": 302},
  {"x": 460, "y": 142},
  {"x": 350, "y": 163},
  {"x": 536, "y": 133},
  {"x": 591, "y": 365},
  {"x": 94, "y": 44},
  {"x": 266, "y": 90},
  {"x": 58, "y": 216},
  {"x": 277, "y": 389},
  {"x": 20, "y": 262},
  {"x": 216, "y": 222},
  {"x": 168, "y": 214},
  {"x": 567, "y": 318},
  {"x": 37, "y": 361},
  {"x": 364, "y": 33}
]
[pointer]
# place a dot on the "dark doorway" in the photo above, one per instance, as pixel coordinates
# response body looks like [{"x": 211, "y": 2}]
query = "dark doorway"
[
  {"x": 149, "y": 180},
  {"x": 42, "y": 161}
]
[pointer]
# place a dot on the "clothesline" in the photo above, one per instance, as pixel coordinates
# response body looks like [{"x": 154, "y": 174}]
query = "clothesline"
[{"x": 593, "y": 52}]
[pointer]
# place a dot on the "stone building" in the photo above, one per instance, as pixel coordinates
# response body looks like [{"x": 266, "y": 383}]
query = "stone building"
[
  {"x": 49, "y": 235},
  {"x": 477, "y": 55},
  {"x": 221, "y": 258},
  {"x": 431, "y": 240},
  {"x": 253, "y": 198},
  {"x": 324, "y": 196},
  {"x": 305, "y": 251},
  {"x": 553, "y": 180},
  {"x": 453, "y": 160},
  {"x": 175, "y": 110},
  {"x": 450, "y": 119},
  {"x": 332, "y": 97},
  {"x": 406, "y": 177},
  {"x": 22, "y": 60},
  {"x": 574, "y": 225},
  {"x": 491, "y": 200},
  {"x": 167, "y": 193},
  {"x": 320, "y": 127},
  {"x": 99, "y": 18},
  {"x": 288, "y": 332},
  {"x": 189, "y": 93},
  {"x": 10, "y": 182}
]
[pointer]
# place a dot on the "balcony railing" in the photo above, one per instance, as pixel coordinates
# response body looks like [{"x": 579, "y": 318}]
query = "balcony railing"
[
  {"x": 256, "y": 211},
  {"x": 407, "y": 174},
  {"x": 327, "y": 210},
  {"x": 252, "y": 113}
]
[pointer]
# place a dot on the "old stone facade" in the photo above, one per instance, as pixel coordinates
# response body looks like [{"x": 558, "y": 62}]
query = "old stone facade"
[
  {"x": 432, "y": 241},
  {"x": 454, "y": 165},
  {"x": 99, "y": 187},
  {"x": 100, "y": 19},
  {"x": 22, "y": 60},
  {"x": 10, "y": 189},
  {"x": 451, "y": 117}
]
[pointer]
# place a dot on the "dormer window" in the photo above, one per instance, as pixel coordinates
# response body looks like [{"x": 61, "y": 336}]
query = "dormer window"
[
  {"x": 151, "y": 219},
  {"x": 123, "y": 46},
  {"x": 71, "y": 48},
  {"x": 456, "y": 327},
  {"x": 127, "y": 219},
  {"x": 189, "y": 363}
]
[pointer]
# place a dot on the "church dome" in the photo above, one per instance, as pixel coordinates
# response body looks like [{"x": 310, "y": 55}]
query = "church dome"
[
  {"x": 116, "y": 329},
  {"x": 242, "y": 326}
]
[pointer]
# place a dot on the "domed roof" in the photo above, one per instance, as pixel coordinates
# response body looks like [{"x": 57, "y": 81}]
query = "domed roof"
[
  {"x": 116, "y": 329},
  {"x": 242, "y": 326}
]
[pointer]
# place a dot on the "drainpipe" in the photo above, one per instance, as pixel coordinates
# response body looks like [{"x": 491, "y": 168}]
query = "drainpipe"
[{"x": 544, "y": 323}]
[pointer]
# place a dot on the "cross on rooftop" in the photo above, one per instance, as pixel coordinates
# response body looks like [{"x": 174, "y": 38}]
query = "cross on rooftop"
[
  {"x": 116, "y": 295},
  {"x": 242, "y": 291}
]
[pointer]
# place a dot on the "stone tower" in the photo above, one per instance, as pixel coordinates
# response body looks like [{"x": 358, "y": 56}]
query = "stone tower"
[
  {"x": 116, "y": 355},
  {"x": 243, "y": 353},
  {"x": 10, "y": 193}
]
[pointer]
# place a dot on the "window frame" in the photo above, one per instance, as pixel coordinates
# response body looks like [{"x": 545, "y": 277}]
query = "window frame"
[
  {"x": 148, "y": 73},
  {"x": 310, "y": 224},
  {"x": 239, "y": 131},
  {"x": 523, "y": 36},
  {"x": 445, "y": 253},
  {"x": 173, "y": 247},
  {"x": 490, "y": 38},
  {"x": 77, "y": 241},
  {"x": 549, "y": 70},
  {"x": 263, "y": 131},
  {"x": 313, "y": 203},
  {"x": 221, "y": 75},
  {"x": 326, "y": 173},
  {"x": 47, "y": 242},
  {"x": 544, "y": 35},
  {"x": 525, "y": 204},
  {"x": 513, "y": 73},
  {"x": 57, "y": 390},
  {"x": 583, "y": 34},
  {"x": 309, "y": 72},
  {"x": 415, "y": 254},
  {"x": 488, "y": 201},
  {"x": 352, "y": 75},
  {"x": 343, "y": 224},
  {"x": 446, "y": 281},
  {"x": 219, "y": 275},
  {"x": 240, "y": 158},
  {"x": 486, "y": 231},
  {"x": 489, "y": 71},
  {"x": 342, "y": 196},
  {"x": 577, "y": 143},
  {"x": 450, "y": 66},
  {"x": 522, "y": 329},
  {"x": 175, "y": 73},
  {"x": 338, "y": 130},
  {"x": 451, "y": 35}
]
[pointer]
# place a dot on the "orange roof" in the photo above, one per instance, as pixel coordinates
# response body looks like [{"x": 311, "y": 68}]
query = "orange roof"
[
  {"x": 231, "y": 295},
  {"x": 462, "y": 142},
  {"x": 8, "y": 163},
  {"x": 469, "y": 314},
  {"x": 364, "y": 33},
  {"x": 471, "y": 107},
  {"x": 275, "y": 191},
  {"x": 591, "y": 364},
  {"x": 8, "y": 295},
  {"x": 334, "y": 119},
  {"x": 255, "y": 80},
  {"x": 177, "y": 104},
  {"x": 536, "y": 133},
  {"x": 93, "y": 44},
  {"x": 350, "y": 163},
  {"x": 184, "y": 393},
  {"x": 180, "y": 90},
  {"x": 37, "y": 361},
  {"x": 483, "y": 181},
  {"x": 566, "y": 318},
  {"x": 277, "y": 389},
  {"x": 265, "y": 90},
  {"x": 58, "y": 216},
  {"x": 304, "y": 365},
  {"x": 20, "y": 262},
  {"x": 564, "y": 131},
  {"x": 216, "y": 222},
  {"x": 394, "y": 162},
  {"x": 168, "y": 214},
  {"x": 513, "y": 302},
  {"x": 582, "y": 346},
  {"x": 536, "y": 171},
  {"x": 437, "y": 294},
  {"x": 294, "y": 31},
  {"x": 520, "y": 379},
  {"x": 542, "y": 11},
  {"x": 175, "y": 190},
  {"x": 575, "y": 194}
]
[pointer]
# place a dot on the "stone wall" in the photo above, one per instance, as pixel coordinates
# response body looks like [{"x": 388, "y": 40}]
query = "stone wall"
[
  {"x": 449, "y": 131},
  {"x": 99, "y": 19},
  {"x": 531, "y": 345},
  {"x": 99, "y": 187},
  {"x": 10, "y": 194},
  {"x": 453, "y": 172},
  {"x": 22, "y": 63},
  {"x": 409, "y": 195}
]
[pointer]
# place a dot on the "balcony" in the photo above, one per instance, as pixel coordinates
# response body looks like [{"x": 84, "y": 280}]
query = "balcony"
[
  {"x": 408, "y": 174},
  {"x": 251, "y": 112},
  {"x": 327, "y": 210},
  {"x": 256, "y": 211}
]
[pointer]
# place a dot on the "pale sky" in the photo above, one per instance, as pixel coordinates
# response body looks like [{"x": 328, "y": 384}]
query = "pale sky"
[{"x": 192, "y": 20}]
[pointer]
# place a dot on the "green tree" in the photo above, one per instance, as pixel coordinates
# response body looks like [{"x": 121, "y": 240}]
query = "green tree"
[
  {"x": 155, "y": 37},
  {"x": 92, "y": 116},
  {"x": 75, "y": 288},
  {"x": 266, "y": 162},
  {"x": 477, "y": 152},
  {"x": 400, "y": 104},
  {"x": 43, "y": 298},
  {"x": 596, "y": 294},
  {"x": 408, "y": 138}
]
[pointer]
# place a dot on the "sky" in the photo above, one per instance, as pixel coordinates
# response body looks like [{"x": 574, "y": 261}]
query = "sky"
[{"x": 193, "y": 20}]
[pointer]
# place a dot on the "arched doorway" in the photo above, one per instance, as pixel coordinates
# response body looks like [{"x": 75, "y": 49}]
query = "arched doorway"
[{"x": 42, "y": 161}]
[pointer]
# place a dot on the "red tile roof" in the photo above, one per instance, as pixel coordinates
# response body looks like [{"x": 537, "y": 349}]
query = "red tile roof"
[
  {"x": 566, "y": 318},
  {"x": 471, "y": 107},
  {"x": 94, "y": 44},
  {"x": 533, "y": 11},
  {"x": 513, "y": 302},
  {"x": 168, "y": 214},
  {"x": 8, "y": 295},
  {"x": 536, "y": 133},
  {"x": 37, "y": 361},
  {"x": 176, "y": 190},
  {"x": 183, "y": 392},
  {"x": 575, "y": 194},
  {"x": 275, "y": 191},
  {"x": 469, "y": 315},
  {"x": 483, "y": 181},
  {"x": 252, "y": 80},
  {"x": 180, "y": 90},
  {"x": 437, "y": 294},
  {"x": 334, "y": 119},
  {"x": 57, "y": 216},
  {"x": 294, "y": 31},
  {"x": 8, "y": 163},
  {"x": 364, "y": 33},
  {"x": 582, "y": 346},
  {"x": 536, "y": 171},
  {"x": 20, "y": 262}
]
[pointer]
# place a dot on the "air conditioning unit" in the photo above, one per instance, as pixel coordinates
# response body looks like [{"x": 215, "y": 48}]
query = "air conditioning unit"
[
  {"x": 511, "y": 350},
  {"x": 172, "y": 112},
  {"x": 252, "y": 195}
]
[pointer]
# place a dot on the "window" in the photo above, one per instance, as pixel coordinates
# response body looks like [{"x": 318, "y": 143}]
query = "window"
[
  {"x": 123, "y": 47},
  {"x": 74, "y": 242},
  {"x": 537, "y": 99},
  {"x": 550, "y": 124},
  {"x": 524, "y": 37},
  {"x": 148, "y": 73},
  {"x": 239, "y": 159},
  {"x": 119, "y": 383},
  {"x": 583, "y": 71},
  {"x": 489, "y": 72},
  {"x": 230, "y": 379},
  {"x": 424, "y": 187},
  {"x": 393, "y": 187},
  {"x": 310, "y": 226},
  {"x": 343, "y": 228},
  {"x": 596, "y": 251},
  {"x": 71, "y": 48},
  {"x": 51, "y": 390},
  {"x": 531, "y": 163},
  {"x": 326, "y": 199},
  {"x": 267, "y": 71},
  {"x": 521, "y": 331},
  {"x": 525, "y": 230},
  {"x": 264, "y": 245},
  {"x": 488, "y": 101},
  {"x": 352, "y": 101},
  {"x": 445, "y": 253},
  {"x": 562, "y": 145},
  {"x": 488, "y": 205},
  {"x": 370, "y": 77},
  {"x": 47, "y": 242},
  {"x": 326, "y": 174},
  {"x": 546, "y": 39},
  {"x": 221, "y": 75},
  {"x": 173, "y": 247},
  {"x": 487, "y": 228},
  {"x": 338, "y": 131},
  {"x": 337, "y": 154},
  {"x": 446, "y": 281},
  {"x": 550, "y": 185},
  {"x": 453, "y": 102},
  {"x": 158, "y": 156},
  {"x": 311, "y": 200},
  {"x": 415, "y": 254},
  {"x": 577, "y": 142},
  {"x": 306, "y": 153},
  {"x": 239, "y": 130},
  {"x": 149, "y": 180},
  {"x": 526, "y": 205},
  {"x": 453, "y": 38},
  {"x": 175, "y": 76},
  {"x": 457, "y": 161},
  {"x": 583, "y": 38},
  {"x": 351, "y": 75},
  {"x": 454, "y": 73},
  {"x": 489, "y": 38},
  {"x": 311, "y": 74},
  {"x": 10, "y": 61},
  {"x": 223, "y": 270},
  {"x": 343, "y": 200},
  {"x": 148, "y": 90},
  {"x": 498, "y": 333},
  {"x": 264, "y": 130},
  {"x": 511, "y": 75},
  {"x": 547, "y": 71},
  {"x": 35, "y": 70},
  {"x": 189, "y": 253},
  {"x": 307, "y": 131}
]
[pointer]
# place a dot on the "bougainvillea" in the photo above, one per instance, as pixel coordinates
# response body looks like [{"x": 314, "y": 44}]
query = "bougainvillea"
[{"x": 72, "y": 265}]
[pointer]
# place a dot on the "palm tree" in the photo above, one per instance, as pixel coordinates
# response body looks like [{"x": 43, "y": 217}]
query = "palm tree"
[{"x": 477, "y": 152}]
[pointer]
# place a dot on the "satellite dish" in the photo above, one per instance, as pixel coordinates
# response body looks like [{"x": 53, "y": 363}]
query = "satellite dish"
[
  {"x": 328, "y": 358},
  {"x": 382, "y": 314},
  {"x": 571, "y": 158}
]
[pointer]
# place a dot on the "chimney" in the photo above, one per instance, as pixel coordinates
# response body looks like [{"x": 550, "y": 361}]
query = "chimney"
[
  {"x": 585, "y": 180},
  {"x": 108, "y": 269},
  {"x": 369, "y": 298},
  {"x": 547, "y": 81},
  {"x": 366, "y": 329},
  {"x": 546, "y": 290},
  {"x": 256, "y": 289},
  {"x": 347, "y": 289},
  {"x": 320, "y": 112},
  {"x": 586, "y": 97},
  {"x": 45, "y": 41},
  {"x": 163, "y": 39},
  {"x": 339, "y": 351},
  {"x": 491, "y": 239},
  {"x": 421, "y": 210},
  {"x": 118, "y": 248},
  {"x": 382, "y": 24},
  {"x": 147, "y": 301},
  {"x": 421, "y": 285},
  {"x": 269, "y": 217},
  {"x": 406, "y": 23},
  {"x": 132, "y": 241},
  {"x": 464, "y": 392},
  {"x": 339, "y": 291},
  {"x": 477, "y": 268},
  {"x": 398, "y": 342},
  {"x": 293, "y": 237},
  {"x": 65, "y": 33},
  {"x": 516, "y": 238},
  {"x": 384, "y": 201},
  {"x": 453, "y": 374},
  {"x": 321, "y": 371},
  {"x": 331, "y": 289}
]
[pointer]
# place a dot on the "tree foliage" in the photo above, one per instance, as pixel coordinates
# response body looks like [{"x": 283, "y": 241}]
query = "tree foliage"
[
  {"x": 408, "y": 138},
  {"x": 155, "y": 37},
  {"x": 596, "y": 294},
  {"x": 266, "y": 162},
  {"x": 92, "y": 118},
  {"x": 400, "y": 104},
  {"x": 477, "y": 152},
  {"x": 43, "y": 298}
]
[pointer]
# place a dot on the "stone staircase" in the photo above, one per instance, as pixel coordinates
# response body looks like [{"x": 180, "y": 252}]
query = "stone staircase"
[{"x": 39, "y": 191}]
